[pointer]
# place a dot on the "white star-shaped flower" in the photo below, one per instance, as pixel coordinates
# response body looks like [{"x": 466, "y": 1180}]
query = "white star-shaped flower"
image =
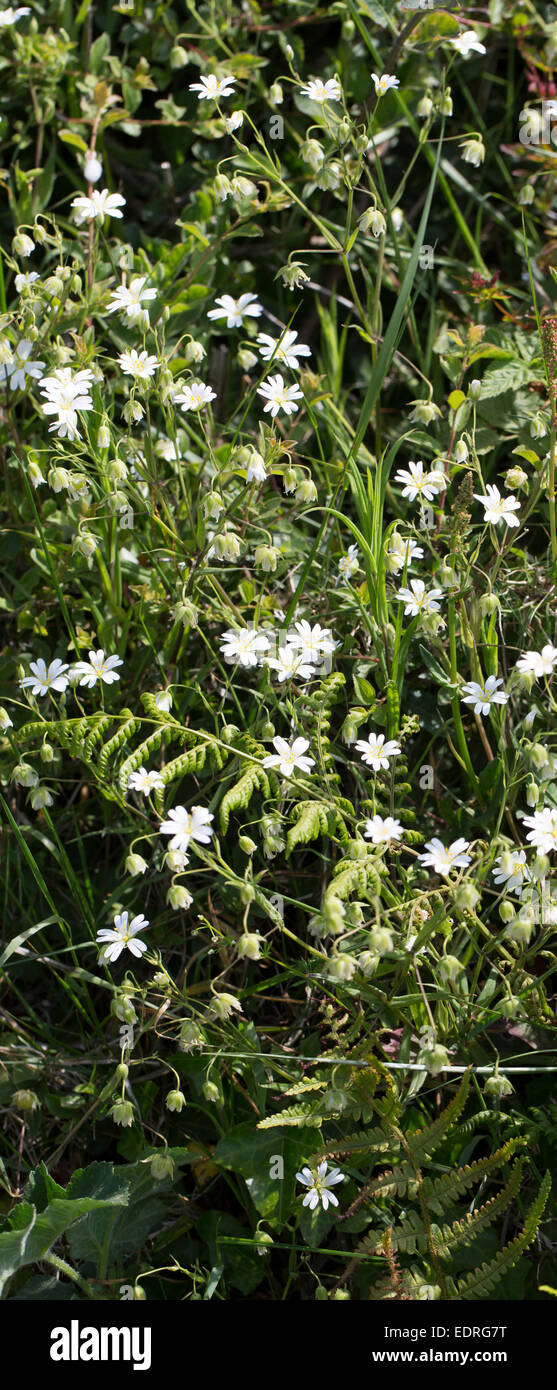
[
  {"x": 384, "y": 83},
  {"x": 130, "y": 299},
  {"x": 284, "y": 349},
  {"x": 418, "y": 483},
  {"x": 510, "y": 869},
  {"x": 482, "y": 697},
  {"x": 312, "y": 642},
  {"x": 442, "y": 860},
  {"x": 212, "y": 87},
  {"x": 121, "y": 935},
  {"x": 539, "y": 663},
  {"x": 186, "y": 825},
  {"x": 468, "y": 42},
  {"x": 97, "y": 668},
  {"x": 498, "y": 508},
  {"x": 243, "y": 646},
  {"x": 279, "y": 397},
  {"x": 543, "y": 829},
  {"x": 289, "y": 756},
  {"x": 19, "y": 367},
  {"x": 194, "y": 395},
  {"x": 144, "y": 781},
  {"x": 45, "y": 679},
  {"x": 101, "y": 204},
  {"x": 317, "y": 90},
  {"x": 375, "y": 752},
  {"x": 319, "y": 1184},
  {"x": 290, "y": 664},
  {"x": 349, "y": 563},
  {"x": 401, "y": 551},
  {"x": 382, "y": 829},
  {"x": 417, "y": 599},
  {"x": 236, "y": 310},
  {"x": 138, "y": 364},
  {"x": 64, "y": 396}
]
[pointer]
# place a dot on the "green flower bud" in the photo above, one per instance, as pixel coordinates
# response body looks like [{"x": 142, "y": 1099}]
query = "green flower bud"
[
  {"x": 178, "y": 897},
  {"x": 211, "y": 1092},
  {"x": 175, "y": 1100},
  {"x": 248, "y": 946},
  {"x": 342, "y": 967},
  {"x": 191, "y": 1036},
  {"x": 25, "y": 1100},
  {"x": 381, "y": 941},
  {"x": 497, "y": 1087},
  {"x": 122, "y": 1113},
  {"x": 434, "y": 1058},
  {"x": 248, "y": 846}
]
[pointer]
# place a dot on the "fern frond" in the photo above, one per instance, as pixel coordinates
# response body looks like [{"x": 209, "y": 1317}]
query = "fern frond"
[
  {"x": 119, "y": 740},
  {"x": 294, "y": 1115},
  {"x": 481, "y": 1282},
  {"x": 465, "y": 1230},
  {"x": 439, "y": 1192},
  {"x": 423, "y": 1142},
  {"x": 238, "y": 797}
]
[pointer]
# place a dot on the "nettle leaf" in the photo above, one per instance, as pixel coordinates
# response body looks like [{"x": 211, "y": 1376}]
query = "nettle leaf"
[{"x": 507, "y": 378}]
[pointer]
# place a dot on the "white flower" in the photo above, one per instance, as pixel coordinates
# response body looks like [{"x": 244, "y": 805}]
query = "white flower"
[
  {"x": 65, "y": 395},
  {"x": 97, "y": 668},
  {"x": 243, "y": 646},
  {"x": 289, "y": 663},
  {"x": 212, "y": 87},
  {"x": 443, "y": 860},
  {"x": 473, "y": 152},
  {"x": 418, "y": 600},
  {"x": 45, "y": 679},
  {"x": 101, "y": 204},
  {"x": 512, "y": 870},
  {"x": 10, "y": 16},
  {"x": 143, "y": 781},
  {"x": 121, "y": 935},
  {"x": 384, "y": 83},
  {"x": 420, "y": 484},
  {"x": 129, "y": 299},
  {"x": 375, "y": 752},
  {"x": 194, "y": 396},
  {"x": 256, "y": 471},
  {"x": 380, "y": 830},
  {"x": 18, "y": 367},
  {"x": 236, "y": 310},
  {"x": 41, "y": 797},
  {"x": 313, "y": 642},
  {"x": 25, "y": 279},
  {"x": 289, "y": 756},
  {"x": 482, "y": 697},
  {"x": 234, "y": 121},
  {"x": 543, "y": 831},
  {"x": 279, "y": 396},
  {"x": 188, "y": 825},
  {"x": 92, "y": 168},
  {"x": 317, "y": 90},
  {"x": 468, "y": 42},
  {"x": 401, "y": 551},
  {"x": 138, "y": 364},
  {"x": 5, "y": 721},
  {"x": 540, "y": 663},
  {"x": 283, "y": 349},
  {"x": 498, "y": 508},
  {"x": 349, "y": 564},
  {"x": 163, "y": 701},
  {"x": 319, "y": 1184}
]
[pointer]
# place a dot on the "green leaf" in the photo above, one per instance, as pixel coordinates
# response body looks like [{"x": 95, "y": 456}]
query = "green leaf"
[{"x": 507, "y": 378}]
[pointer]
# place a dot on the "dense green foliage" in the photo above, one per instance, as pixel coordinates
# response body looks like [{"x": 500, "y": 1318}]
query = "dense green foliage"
[{"x": 339, "y": 927}]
